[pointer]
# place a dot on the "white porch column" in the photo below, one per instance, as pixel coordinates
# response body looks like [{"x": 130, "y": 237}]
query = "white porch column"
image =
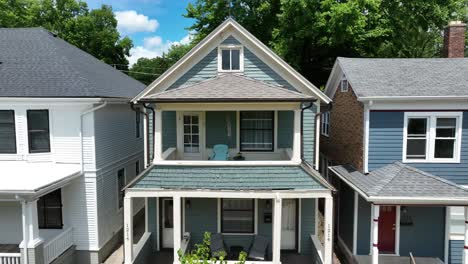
[
  {"x": 30, "y": 224},
  {"x": 157, "y": 135},
  {"x": 297, "y": 135},
  {"x": 157, "y": 225},
  {"x": 177, "y": 226},
  {"x": 375, "y": 234},
  {"x": 277, "y": 210},
  {"x": 128, "y": 230},
  {"x": 328, "y": 231},
  {"x": 465, "y": 246}
]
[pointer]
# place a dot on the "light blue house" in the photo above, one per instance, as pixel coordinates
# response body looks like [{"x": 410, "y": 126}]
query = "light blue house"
[
  {"x": 235, "y": 153},
  {"x": 397, "y": 140}
]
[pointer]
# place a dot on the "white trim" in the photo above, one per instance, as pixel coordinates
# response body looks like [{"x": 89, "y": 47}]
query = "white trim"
[
  {"x": 297, "y": 134},
  {"x": 299, "y": 226},
  {"x": 465, "y": 243},
  {"x": 371, "y": 229},
  {"x": 157, "y": 138},
  {"x": 431, "y": 136},
  {"x": 128, "y": 230},
  {"x": 375, "y": 234},
  {"x": 234, "y": 163},
  {"x": 201, "y": 155},
  {"x": 355, "y": 222},
  {"x": 366, "y": 136},
  {"x": 325, "y": 125},
  {"x": 61, "y": 101},
  {"x": 318, "y": 246},
  {"x": 344, "y": 85},
  {"x": 177, "y": 237},
  {"x": 447, "y": 235},
  {"x": 247, "y": 106},
  {"x": 328, "y": 231},
  {"x": 277, "y": 211},
  {"x": 410, "y": 98},
  {"x": 230, "y": 47},
  {"x": 397, "y": 230},
  {"x": 158, "y": 238},
  {"x": 317, "y": 137}
]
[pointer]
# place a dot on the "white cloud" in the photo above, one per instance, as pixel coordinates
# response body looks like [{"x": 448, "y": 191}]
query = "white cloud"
[
  {"x": 131, "y": 22},
  {"x": 154, "y": 47}
]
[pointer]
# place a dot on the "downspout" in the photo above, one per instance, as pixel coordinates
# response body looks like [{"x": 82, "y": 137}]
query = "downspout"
[
  {"x": 302, "y": 127},
  {"x": 148, "y": 131},
  {"x": 138, "y": 110},
  {"x": 92, "y": 109}
]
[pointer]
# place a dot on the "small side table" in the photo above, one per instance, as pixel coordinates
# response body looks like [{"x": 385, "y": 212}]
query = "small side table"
[{"x": 234, "y": 252}]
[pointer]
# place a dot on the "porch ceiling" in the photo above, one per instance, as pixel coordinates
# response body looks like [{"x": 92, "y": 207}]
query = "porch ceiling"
[
  {"x": 229, "y": 178},
  {"x": 401, "y": 183},
  {"x": 27, "y": 178},
  {"x": 230, "y": 88}
]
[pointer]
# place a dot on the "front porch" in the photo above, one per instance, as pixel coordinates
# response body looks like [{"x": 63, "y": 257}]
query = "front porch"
[{"x": 367, "y": 259}]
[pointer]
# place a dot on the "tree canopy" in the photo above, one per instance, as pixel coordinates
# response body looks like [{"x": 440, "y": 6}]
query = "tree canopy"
[{"x": 93, "y": 31}]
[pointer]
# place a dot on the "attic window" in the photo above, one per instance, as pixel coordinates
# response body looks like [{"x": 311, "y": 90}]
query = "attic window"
[
  {"x": 344, "y": 85},
  {"x": 230, "y": 59}
]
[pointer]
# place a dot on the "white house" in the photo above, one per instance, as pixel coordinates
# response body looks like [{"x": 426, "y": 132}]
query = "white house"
[{"x": 69, "y": 142}]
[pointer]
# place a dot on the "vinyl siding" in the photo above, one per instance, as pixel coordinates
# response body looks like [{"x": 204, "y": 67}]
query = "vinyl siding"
[
  {"x": 308, "y": 134},
  {"x": 10, "y": 223},
  {"x": 169, "y": 134},
  {"x": 386, "y": 146},
  {"x": 456, "y": 251},
  {"x": 152, "y": 227},
  {"x": 346, "y": 207},
  {"x": 216, "y": 128},
  {"x": 201, "y": 217},
  {"x": 307, "y": 226},
  {"x": 285, "y": 129},
  {"x": 364, "y": 226}
]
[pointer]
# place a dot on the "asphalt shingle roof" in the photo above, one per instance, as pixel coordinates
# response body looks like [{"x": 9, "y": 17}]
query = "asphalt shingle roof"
[
  {"x": 35, "y": 63},
  {"x": 400, "y": 180},
  {"x": 230, "y": 87},
  {"x": 228, "y": 178},
  {"x": 407, "y": 77}
]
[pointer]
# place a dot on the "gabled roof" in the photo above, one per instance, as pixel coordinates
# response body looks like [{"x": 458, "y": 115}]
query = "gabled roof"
[
  {"x": 229, "y": 178},
  {"x": 402, "y": 78},
  {"x": 223, "y": 31},
  {"x": 36, "y": 63},
  {"x": 399, "y": 182},
  {"x": 229, "y": 88}
]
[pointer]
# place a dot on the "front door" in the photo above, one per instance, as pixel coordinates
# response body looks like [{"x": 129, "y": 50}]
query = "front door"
[
  {"x": 387, "y": 226},
  {"x": 167, "y": 224},
  {"x": 288, "y": 225},
  {"x": 192, "y": 141}
]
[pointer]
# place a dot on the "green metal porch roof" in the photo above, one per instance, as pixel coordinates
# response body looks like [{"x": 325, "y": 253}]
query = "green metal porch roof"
[{"x": 230, "y": 178}]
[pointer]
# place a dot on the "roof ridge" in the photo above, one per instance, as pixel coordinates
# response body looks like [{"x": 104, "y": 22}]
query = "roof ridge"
[{"x": 385, "y": 181}]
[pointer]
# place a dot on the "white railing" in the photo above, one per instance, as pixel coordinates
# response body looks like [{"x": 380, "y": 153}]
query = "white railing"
[
  {"x": 318, "y": 246},
  {"x": 58, "y": 245},
  {"x": 10, "y": 258}
]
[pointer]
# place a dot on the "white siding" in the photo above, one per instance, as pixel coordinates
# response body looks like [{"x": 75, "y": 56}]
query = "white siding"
[{"x": 10, "y": 223}]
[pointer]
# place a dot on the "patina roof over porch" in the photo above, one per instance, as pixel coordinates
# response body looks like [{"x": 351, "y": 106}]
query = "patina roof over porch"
[{"x": 230, "y": 178}]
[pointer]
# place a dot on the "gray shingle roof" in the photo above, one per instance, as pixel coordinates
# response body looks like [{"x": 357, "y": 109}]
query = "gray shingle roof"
[
  {"x": 400, "y": 180},
  {"x": 230, "y": 87},
  {"x": 35, "y": 63},
  {"x": 407, "y": 77},
  {"x": 228, "y": 178}
]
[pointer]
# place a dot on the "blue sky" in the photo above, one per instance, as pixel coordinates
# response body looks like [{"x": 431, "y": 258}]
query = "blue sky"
[{"x": 153, "y": 25}]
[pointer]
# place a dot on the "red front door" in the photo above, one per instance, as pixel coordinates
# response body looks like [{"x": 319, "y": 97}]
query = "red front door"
[{"x": 387, "y": 227}]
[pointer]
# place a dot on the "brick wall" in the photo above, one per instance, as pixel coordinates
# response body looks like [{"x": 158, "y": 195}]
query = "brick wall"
[
  {"x": 454, "y": 41},
  {"x": 345, "y": 142}
]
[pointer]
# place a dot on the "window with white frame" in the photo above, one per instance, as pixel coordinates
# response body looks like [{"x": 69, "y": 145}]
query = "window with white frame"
[
  {"x": 237, "y": 216},
  {"x": 344, "y": 85},
  {"x": 257, "y": 130},
  {"x": 230, "y": 59},
  {"x": 7, "y": 132},
  {"x": 432, "y": 137},
  {"x": 326, "y": 123}
]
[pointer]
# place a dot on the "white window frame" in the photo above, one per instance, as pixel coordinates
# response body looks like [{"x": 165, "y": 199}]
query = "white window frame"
[
  {"x": 325, "y": 123},
  {"x": 231, "y": 47},
  {"x": 431, "y": 136},
  {"x": 344, "y": 85},
  {"x": 219, "y": 213}
]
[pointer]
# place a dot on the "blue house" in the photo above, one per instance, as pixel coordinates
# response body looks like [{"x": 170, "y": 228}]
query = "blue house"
[
  {"x": 233, "y": 148},
  {"x": 395, "y": 144}
]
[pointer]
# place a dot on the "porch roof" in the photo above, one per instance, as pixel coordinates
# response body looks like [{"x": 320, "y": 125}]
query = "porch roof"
[
  {"x": 230, "y": 88},
  {"x": 401, "y": 183},
  {"x": 230, "y": 178},
  {"x": 34, "y": 178}
]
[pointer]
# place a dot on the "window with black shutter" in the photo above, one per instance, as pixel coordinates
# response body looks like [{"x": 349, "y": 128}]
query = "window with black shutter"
[
  {"x": 49, "y": 210},
  {"x": 7, "y": 132},
  {"x": 38, "y": 131}
]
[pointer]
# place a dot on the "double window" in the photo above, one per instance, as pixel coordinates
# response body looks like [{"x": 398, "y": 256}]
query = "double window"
[
  {"x": 325, "y": 129},
  {"x": 230, "y": 59},
  {"x": 237, "y": 216},
  {"x": 257, "y": 130},
  {"x": 38, "y": 131},
  {"x": 49, "y": 210},
  {"x": 432, "y": 137},
  {"x": 7, "y": 132}
]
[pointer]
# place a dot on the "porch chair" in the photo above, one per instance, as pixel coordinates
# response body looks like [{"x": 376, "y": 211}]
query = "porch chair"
[
  {"x": 217, "y": 246},
  {"x": 258, "y": 249},
  {"x": 220, "y": 152}
]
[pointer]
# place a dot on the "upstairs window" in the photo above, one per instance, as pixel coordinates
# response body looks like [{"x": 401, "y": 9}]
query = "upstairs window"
[
  {"x": 325, "y": 129},
  {"x": 7, "y": 132},
  {"x": 256, "y": 130},
  {"x": 38, "y": 131},
  {"x": 344, "y": 85},
  {"x": 432, "y": 137},
  {"x": 230, "y": 59}
]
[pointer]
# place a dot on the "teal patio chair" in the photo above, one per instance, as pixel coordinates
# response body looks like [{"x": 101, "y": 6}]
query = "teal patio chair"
[{"x": 220, "y": 152}]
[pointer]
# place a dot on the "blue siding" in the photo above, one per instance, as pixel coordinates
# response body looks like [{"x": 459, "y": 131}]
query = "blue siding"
[
  {"x": 456, "y": 251},
  {"x": 364, "y": 227},
  {"x": 307, "y": 226},
  {"x": 201, "y": 217},
  {"x": 205, "y": 69},
  {"x": 230, "y": 40},
  {"x": 285, "y": 129},
  {"x": 216, "y": 128},
  {"x": 308, "y": 134},
  {"x": 152, "y": 221},
  {"x": 386, "y": 146},
  {"x": 169, "y": 133},
  {"x": 426, "y": 236},
  {"x": 346, "y": 207}
]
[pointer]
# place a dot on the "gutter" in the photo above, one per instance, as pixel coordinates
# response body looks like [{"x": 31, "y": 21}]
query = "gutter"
[
  {"x": 89, "y": 110},
  {"x": 411, "y": 98}
]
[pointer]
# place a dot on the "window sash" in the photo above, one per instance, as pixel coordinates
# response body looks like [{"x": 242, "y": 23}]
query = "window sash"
[
  {"x": 7, "y": 132},
  {"x": 238, "y": 220},
  {"x": 325, "y": 129},
  {"x": 257, "y": 130},
  {"x": 233, "y": 63},
  {"x": 38, "y": 134}
]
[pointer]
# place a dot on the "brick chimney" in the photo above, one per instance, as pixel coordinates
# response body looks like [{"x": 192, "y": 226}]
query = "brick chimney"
[{"x": 454, "y": 40}]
